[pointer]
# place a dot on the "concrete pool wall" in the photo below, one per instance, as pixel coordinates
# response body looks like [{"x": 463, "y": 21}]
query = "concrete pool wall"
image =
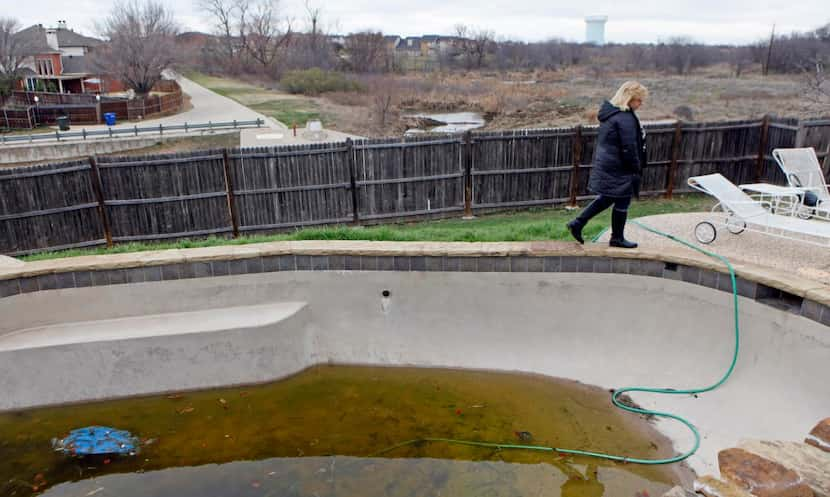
[{"x": 183, "y": 319}]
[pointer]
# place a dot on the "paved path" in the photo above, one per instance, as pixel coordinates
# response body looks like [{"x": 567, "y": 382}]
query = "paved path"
[{"x": 209, "y": 106}]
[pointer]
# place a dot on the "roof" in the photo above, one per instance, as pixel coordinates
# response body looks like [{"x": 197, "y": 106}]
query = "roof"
[
  {"x": 69, "y": 38},
  {"x": 75, "y": 65},
  {"x": 430, "y": 38},
  {"x": 34, "y": 39},
  {"x": 410, "y": 43}
]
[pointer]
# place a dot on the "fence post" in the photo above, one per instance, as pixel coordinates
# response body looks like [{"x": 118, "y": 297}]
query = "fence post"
[
  {"x": 762, "y": 149},
  {"x": 353, "y": 180},
  {"x": 576, "y": 152},
  {"x": 231, "y": 197},
  {"x": 97, "y": 187},
  {"x": 675, "y": 152},
  {"x": 467, "y": 144},
  {"x": 800, "y": 135}
]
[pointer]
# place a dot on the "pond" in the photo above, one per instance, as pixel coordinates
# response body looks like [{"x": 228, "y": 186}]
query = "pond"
[
  {"x": 456, "y": 122},
  {"x": 335, "y": 430}
]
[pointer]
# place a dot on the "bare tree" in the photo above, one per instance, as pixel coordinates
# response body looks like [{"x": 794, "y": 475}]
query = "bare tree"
[
  {"x": 263, "y": 32},
  {"x": 680, "y": 54},
  {"x": 13, "y": 54},
  {"x": 141, "y": 44},
  {"x": 817, "y": 85},
  {"x": 224, "y": 15},
  {"x": 475, "y": 44},
  {"x": 740, "y": 58},
  {"x": 316, "y": 40},
  {"x": 365, "y": 51},
  {"x": 385, "y": 95}
]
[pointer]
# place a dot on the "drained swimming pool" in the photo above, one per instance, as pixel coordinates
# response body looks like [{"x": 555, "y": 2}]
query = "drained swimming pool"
[
  {"x": 350, "y": 418},
  {"x": 623, "y": 323}
]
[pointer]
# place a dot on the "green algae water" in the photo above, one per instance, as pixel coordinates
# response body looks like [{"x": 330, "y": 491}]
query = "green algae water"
[{"x": 314, "y": 435}]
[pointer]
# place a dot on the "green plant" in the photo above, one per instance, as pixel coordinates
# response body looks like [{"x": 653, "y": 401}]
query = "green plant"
[{"x": 316, "y": 81}]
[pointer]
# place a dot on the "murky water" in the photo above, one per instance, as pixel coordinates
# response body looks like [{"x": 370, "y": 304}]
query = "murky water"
[
  {"x": 456, "y": 122},
  {"x": 318, "y": 433}
]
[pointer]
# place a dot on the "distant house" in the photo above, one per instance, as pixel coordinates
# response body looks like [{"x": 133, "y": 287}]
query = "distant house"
[
  {"x": 58, "y": 60},
  {"x": 449, "y": 44},
  {"x": 411, "y": 45},
  {"x": 391, "y": 42},
  {"x": 430, "y": 45}
]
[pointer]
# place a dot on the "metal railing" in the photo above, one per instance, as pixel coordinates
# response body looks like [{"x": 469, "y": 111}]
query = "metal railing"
[{"x": 134, "y": 131}]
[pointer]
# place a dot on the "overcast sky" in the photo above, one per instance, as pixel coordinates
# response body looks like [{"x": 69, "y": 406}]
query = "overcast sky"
[{"x": 709, "y": 21}]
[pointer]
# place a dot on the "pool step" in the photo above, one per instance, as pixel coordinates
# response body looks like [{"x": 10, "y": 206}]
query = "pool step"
[{"x": 151, "y": 354}]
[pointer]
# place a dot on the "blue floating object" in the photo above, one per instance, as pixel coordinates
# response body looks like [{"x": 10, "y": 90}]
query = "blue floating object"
[{"x": 97, "y": 440}]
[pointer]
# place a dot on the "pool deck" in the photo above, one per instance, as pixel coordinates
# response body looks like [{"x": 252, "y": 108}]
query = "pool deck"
[{"x": 40, "y": 272}]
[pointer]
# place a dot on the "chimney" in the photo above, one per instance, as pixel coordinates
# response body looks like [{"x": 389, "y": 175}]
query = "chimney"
[{"x": 52, "y": 38}]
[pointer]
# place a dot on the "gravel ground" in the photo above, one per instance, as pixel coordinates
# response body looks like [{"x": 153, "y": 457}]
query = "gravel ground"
[{"x": 797, "y": 258}]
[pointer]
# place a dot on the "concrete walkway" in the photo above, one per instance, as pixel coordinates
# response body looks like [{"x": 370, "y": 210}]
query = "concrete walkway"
[
  {"x": 209, "y": 106},
  {"x": 798, "y": 259}
]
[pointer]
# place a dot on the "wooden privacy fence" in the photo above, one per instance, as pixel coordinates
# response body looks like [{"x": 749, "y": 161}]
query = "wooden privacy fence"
[
  {"x": 20, "y": 111},
  {"x": 228, "y": 192}
]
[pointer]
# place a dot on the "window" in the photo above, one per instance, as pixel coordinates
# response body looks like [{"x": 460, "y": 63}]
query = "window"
[{"x": 44, "y": 67}]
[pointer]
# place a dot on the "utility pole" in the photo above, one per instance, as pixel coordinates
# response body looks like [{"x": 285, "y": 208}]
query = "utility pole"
[{"x": 769, "y": 51}]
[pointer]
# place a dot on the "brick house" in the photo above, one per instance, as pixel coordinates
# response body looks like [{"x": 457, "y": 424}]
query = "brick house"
[{"x": 59, "y": 61}]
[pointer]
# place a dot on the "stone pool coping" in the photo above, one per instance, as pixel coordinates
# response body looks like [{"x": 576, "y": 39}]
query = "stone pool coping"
[{"x": 799, "y": 295}]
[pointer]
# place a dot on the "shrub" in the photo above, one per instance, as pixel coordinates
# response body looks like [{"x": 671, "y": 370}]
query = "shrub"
[{"x": 316, "y": 81}]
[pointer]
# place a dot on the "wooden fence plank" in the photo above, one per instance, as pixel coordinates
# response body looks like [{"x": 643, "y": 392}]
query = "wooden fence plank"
[{"x": 220, "y": 192}]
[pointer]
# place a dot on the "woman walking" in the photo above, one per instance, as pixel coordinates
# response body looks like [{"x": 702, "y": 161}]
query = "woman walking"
[{"x": 620, "y": 157}]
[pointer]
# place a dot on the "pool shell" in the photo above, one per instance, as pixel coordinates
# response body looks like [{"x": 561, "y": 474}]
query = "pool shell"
[{"x": 655, "y": 319}]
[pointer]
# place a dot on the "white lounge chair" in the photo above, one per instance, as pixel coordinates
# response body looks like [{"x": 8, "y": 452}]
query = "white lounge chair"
[
  {"x": 738, "y": 212},
  {"x": 802, "y": 169}
]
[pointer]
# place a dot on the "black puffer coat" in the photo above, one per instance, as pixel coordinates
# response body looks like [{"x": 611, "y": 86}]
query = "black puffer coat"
[{"x": 620, "y": 154}]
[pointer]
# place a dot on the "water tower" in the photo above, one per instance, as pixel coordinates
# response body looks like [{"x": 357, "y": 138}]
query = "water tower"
[{"x": 595, "y": 29}]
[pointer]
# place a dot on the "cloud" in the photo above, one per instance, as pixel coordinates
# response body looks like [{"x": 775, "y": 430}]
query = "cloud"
[{"x": 710, "y": 21}]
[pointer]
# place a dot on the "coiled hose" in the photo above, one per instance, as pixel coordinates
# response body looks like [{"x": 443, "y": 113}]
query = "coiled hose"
[{"x": 615, "y": 398}]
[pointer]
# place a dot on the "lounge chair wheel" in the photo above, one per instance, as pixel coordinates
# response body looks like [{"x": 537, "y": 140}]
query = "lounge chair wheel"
[
  {"x": 735, "y": 225},
  {"x": 805, "y": 213},
  {"x": 705, "y": 232}
]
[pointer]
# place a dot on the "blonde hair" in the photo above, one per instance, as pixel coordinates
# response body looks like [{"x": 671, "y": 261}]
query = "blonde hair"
[{"x": 628, "y": 91}]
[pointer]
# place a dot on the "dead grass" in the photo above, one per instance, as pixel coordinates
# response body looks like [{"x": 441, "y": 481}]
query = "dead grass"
[{"x": 544, "y": 98}]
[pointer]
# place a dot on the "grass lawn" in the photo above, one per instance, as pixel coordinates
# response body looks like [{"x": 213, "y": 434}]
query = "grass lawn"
[
  {"x": 288, "y": 109},
  {"x": 535, "y": 224},
  {"x": 289, "y": 112}
]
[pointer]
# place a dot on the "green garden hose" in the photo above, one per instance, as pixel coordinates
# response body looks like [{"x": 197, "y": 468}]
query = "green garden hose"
[{"x": 621, "y": 391}]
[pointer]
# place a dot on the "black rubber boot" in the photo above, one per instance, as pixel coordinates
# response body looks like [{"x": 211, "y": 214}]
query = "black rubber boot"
[
  {"x": 575, "y": 227},
  {"x": 618, "y": 230},
  {"x": 598, "y": 205}
]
